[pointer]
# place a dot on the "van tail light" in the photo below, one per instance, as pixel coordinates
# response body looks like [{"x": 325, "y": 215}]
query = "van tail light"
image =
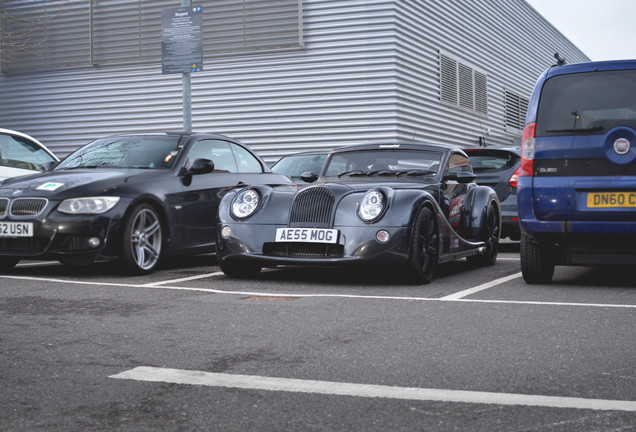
[
  {"x": 514, "y": 178},
  {"x": 527, "y": 151}
]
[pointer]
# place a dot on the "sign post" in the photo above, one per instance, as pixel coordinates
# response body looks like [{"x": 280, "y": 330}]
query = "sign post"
[{"x": 182, "y": 49}]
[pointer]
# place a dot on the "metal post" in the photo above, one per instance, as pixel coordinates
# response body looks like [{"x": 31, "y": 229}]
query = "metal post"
[{"x": 187, "y": 92}]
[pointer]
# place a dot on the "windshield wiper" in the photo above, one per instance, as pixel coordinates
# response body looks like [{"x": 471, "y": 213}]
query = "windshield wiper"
[
  {"x": 352, "y": 173},
  {"x": 417, "y": 172},
  {"x": 82, "y": 166},
  {"x": 382, "y": 172},
  {"x": 574, "y": 130}
]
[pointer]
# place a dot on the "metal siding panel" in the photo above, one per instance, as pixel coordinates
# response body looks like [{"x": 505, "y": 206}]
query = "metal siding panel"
[
  {"x": 505, "y": 39},
  {"x": 369, "y": 70}
]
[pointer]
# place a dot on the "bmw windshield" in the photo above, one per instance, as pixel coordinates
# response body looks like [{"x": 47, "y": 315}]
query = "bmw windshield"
[{"x": 146, "y": 152}]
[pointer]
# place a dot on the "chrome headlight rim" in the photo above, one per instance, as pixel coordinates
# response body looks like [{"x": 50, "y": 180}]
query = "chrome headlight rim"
[
  {"x": 371, "y": 209},
  {"x": 246, "y": 203},
  {"x": 91, "y": 205}
]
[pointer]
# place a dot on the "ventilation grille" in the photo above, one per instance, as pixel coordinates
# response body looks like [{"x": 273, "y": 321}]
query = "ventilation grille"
[
  {"x": 516, "y": 108},
  {"x": 4, "y": 203},
  {"x": 27, "y": 206},
  {"x": 312, "y": 207},
  {"x": 303, "y": 250},
  {"x": 463, "y": 86}
]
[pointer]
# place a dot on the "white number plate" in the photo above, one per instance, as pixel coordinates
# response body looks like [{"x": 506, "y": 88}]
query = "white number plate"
[
  {"x": 307, "y": 235},
  {"x": 16, "y": 229}
]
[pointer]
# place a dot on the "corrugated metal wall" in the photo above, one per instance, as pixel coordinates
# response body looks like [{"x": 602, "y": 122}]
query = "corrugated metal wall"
[
  {"x": 505, "y": 39},
  {"x": 369, "y": 70}
]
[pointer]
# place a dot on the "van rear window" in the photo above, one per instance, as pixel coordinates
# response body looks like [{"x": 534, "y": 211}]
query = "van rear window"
[{"x": 588, "y": 103}]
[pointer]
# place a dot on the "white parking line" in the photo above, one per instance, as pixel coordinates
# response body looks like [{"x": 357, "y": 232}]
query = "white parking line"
[
  {"x": 319, "y": 295},
  {"x": 481, "y": 287},
  {"x": 185, "y": 279},
  {"x": 254, "y": 382}
]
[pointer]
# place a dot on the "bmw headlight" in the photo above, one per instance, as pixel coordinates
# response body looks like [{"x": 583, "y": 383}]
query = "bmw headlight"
[
  {"x": 87, "y": 205},
  {"x": 372, "y": 205},
  {"x": 245, "y": 203}
]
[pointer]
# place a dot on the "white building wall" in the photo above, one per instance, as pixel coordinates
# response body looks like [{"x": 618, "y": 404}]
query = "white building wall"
[{"x": 368, "y": 71}]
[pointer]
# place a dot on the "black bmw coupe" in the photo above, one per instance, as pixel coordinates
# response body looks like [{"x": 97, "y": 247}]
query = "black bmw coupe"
[
  {"x": 136, "y": 198},
  {"x": 404, "y": 205}
]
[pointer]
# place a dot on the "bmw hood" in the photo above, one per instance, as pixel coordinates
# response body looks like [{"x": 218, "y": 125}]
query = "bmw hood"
[{"x": 65, "y": 184}]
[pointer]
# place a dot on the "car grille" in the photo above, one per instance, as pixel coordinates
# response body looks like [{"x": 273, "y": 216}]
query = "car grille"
[
  {"x": 312, "y": 207},
  {"x": 303, "y": 250},
  {"x": 17, "y": 246},
  {"x": 4, "y": 203},
  {"x": 27, "y": 206}
]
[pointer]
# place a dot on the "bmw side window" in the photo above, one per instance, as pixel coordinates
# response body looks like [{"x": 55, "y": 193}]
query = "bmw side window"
[
  {"x": 218, "y": 152},
  {"x": 245, "y": 161}
]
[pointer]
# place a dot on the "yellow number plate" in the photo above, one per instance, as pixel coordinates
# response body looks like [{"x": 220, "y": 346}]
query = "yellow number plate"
[{"x": 611, "y": 199}]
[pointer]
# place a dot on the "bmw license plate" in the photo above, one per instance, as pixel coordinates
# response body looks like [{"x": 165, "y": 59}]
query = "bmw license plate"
[
  {"x": 611, "y": 199},
  {"x": 16, "y": 229},
  {"x": 307, "y": 235}
]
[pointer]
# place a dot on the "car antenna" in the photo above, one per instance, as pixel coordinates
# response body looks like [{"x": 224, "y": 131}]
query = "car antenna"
[{"x": 560, "y": 60}]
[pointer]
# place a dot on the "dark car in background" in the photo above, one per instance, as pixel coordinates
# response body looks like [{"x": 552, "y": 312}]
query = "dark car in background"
[
  {"x": 577, "y": 185},
  {"x": 498, "y": 167},
  {"x": 134, "y": 198},
  {"x": 297, "y": 164},
  {"x": 403, "y": 207}
]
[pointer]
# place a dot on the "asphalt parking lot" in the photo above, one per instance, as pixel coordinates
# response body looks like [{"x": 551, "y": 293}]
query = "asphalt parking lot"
[{"x": 187, "y": 348}]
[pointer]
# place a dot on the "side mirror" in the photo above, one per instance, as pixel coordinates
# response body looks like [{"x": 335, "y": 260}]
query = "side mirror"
[
  {"x": 461, "y": 177},
  {"x": 309, "y": 177},
  {"x": 201, "y": 166},
  {"x": 48, "y": 166}
]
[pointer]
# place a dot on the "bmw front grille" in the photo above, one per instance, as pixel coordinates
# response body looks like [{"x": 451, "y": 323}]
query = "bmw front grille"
[{"x": 27, "y": 206}]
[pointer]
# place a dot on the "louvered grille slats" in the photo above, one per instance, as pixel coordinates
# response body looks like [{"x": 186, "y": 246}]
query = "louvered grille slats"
[
  {"x": 312, "y": 206},
  {"x": 27, "y": 206},
  {"x": 4, "y": 203}
]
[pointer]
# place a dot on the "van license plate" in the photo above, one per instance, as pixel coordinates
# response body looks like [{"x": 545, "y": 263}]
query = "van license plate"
[
  {"x": 307, "y": 235},
  {"x": 611, "y": 199},
  {"x": 16, "y": 229}
]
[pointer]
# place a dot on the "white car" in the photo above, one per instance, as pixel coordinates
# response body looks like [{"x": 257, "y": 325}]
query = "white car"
[{"x": 21, "y": 154}]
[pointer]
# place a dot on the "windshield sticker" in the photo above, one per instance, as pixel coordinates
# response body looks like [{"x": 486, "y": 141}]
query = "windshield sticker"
[{"x": 50, "y": 186}]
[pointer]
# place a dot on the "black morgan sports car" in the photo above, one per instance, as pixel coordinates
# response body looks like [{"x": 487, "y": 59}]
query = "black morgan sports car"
[
  {"x": 136, "y": 198},
  {"x": 401, "y": 204}
]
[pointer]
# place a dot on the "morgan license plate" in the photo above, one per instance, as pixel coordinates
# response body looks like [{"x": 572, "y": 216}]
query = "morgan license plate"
[
  {"x": 16, "y": 229},
  {"x": 307, "y": 235}
]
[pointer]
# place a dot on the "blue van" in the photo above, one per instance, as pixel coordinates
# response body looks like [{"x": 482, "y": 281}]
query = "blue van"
[{"x": 576, "y": 193}]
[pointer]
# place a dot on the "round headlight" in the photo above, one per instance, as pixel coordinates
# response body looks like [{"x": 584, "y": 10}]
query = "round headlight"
[
  {"x": 372, "y": 206},
  {"x": 245, "y": 203}
]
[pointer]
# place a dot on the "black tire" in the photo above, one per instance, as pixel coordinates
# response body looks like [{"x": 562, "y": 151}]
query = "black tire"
[
  {"x": 490, "y": 237},
  {"x": 238, "y": 270},
  {"x": 7, "y": 264},
  {"x": 424, "y": 247},
  {"x": 537, "y": 263},
  {"x": 142, "y": 241}
]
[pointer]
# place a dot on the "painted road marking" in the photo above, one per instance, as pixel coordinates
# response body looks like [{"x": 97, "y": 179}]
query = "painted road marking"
[
  {"x": 254, "y": 382},
  {"x": 481, "y": 287},
  {"x": 185, "y": 279},
  {"x": 318, "y": 295}
]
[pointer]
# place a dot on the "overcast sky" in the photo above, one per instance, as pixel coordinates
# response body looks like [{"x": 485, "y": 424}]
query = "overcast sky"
[{"x": 602, "y": 29}]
